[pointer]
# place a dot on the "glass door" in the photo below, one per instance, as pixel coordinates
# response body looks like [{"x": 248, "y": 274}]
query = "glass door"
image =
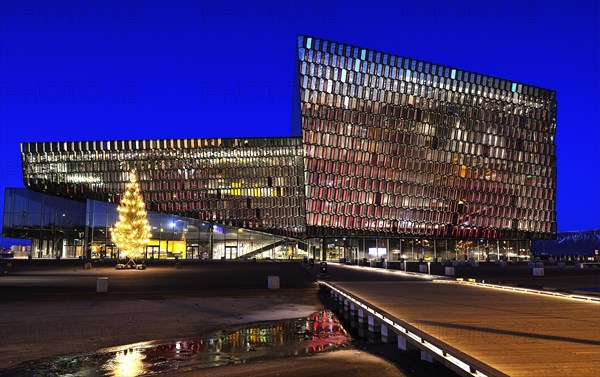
[
  {"x": 152, "y": 251},
  {"x": 192, "y": 252}
]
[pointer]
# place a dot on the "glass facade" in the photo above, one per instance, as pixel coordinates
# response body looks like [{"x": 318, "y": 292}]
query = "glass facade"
[
  {"x": 250, "y": 183},
  {"x": 397, "y": 146},
  {"x": 394, "y": 157},
  {"x": 180, "y": 237},
  {"x": 430, "y": 249},
  {"x": 64, "y": 228},
  {"x": 55, "y": 226}
]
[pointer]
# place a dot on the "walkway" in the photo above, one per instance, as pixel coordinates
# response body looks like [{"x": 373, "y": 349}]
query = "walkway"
[{"x": 517, "y": 334}]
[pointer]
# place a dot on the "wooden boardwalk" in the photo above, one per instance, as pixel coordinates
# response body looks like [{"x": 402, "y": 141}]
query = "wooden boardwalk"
[{"x": 519, "y": 334}]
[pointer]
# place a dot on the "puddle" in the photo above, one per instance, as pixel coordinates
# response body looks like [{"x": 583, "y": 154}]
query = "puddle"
[{"x": 320, "y": 332}]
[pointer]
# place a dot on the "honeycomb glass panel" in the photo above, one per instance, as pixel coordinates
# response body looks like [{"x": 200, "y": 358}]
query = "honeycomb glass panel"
[{"x": 459, "y": 146}]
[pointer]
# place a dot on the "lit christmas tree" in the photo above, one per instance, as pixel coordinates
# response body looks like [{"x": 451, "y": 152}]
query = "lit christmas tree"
[{"x": 131, "y": 233}]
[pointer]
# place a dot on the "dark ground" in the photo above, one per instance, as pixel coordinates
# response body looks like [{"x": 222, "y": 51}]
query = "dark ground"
[
  {"x": 51, "y": 308},
  {"x": 208, "y": 295},
  {"x": 31, "y": 278},
  {"x": 47, "y": 277}
]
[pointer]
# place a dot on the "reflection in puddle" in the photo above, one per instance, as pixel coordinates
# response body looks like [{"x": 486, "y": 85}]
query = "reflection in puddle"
[
  {"x": 317, "y": 333},
  {"x": 126, "y": 363}
]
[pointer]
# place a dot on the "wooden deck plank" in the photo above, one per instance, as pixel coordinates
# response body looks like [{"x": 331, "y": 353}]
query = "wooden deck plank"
[{"x": 519, "y": 334}]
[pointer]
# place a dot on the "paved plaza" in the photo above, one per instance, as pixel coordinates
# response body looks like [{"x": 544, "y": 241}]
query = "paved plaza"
[{"x": 51, "y": 307}]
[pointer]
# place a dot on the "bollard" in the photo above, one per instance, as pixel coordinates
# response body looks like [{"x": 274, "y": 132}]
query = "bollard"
[
  {"x": 323, "y": 268},
  {"x": 273, "y": 282},
  {"x": 102, "y": 285}
]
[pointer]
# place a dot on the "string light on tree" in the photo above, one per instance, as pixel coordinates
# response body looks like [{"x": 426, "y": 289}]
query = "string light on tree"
[{"x": 131, "y": 233}]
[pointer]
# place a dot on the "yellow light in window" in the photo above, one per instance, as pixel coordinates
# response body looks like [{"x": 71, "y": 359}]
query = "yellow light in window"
[{"x": 235, "y": 189}]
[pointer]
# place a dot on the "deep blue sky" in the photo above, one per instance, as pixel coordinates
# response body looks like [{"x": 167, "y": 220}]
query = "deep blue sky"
[{"x": 167, "y": 69}]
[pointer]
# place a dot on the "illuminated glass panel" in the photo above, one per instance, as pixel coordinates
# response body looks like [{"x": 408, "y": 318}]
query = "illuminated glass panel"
[
  {"x": 389, "y": 146},
  {"x": 448, "y": 153},
  {"x": 252, "y": 183}
]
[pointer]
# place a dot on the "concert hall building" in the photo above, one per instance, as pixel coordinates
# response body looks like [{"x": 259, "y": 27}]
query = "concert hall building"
[{"x": 390, "y": 157}]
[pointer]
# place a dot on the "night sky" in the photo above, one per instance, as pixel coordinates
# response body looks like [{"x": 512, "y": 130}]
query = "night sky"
[{"x": 192, "y": 69}]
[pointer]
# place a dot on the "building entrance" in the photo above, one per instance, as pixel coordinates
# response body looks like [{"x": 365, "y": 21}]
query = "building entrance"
[
  {"x": 192, "y": 252},
  {"x": 231, "y": 252},
  {"x": 152, "y": 251},
  {"x": 111, "y": 251}
]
